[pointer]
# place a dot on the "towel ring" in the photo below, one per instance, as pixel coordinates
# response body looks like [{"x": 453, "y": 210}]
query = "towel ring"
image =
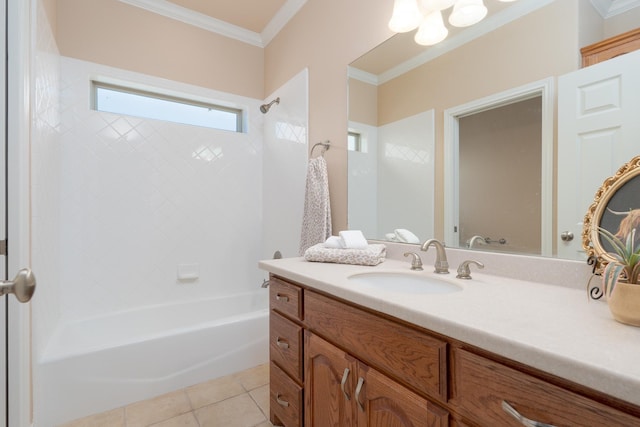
[{"x": 325, "y": 146}]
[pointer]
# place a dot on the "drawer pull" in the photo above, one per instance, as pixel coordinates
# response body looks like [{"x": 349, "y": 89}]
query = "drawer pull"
[
  {"x": 343, "y": 382},
  {"x": 282, "y": 343},
  {"x": 522, "y": 419},
  {"x": 358, "y": 390},
  {"x": 281, "y": 402},
  {"x": 282, "y": 298}
]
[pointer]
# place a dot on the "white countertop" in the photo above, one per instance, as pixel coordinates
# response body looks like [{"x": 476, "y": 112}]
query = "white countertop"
[{"x": 554, "y": 328}]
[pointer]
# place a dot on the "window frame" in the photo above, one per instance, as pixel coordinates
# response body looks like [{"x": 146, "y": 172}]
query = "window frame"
[{"x": 97, "y": 84}]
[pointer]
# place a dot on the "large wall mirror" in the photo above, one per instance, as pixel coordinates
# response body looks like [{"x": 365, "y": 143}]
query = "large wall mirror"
[{"x": 459, "y": 141}]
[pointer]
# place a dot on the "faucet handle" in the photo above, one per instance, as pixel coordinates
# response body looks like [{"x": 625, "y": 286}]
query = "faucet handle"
[
  {"x": 464, "y": 272},
  {"x": 416, "y": 262}
]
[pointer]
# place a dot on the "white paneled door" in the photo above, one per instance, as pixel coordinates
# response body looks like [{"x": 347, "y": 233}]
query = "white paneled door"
[{"x": 598, "y": 130}]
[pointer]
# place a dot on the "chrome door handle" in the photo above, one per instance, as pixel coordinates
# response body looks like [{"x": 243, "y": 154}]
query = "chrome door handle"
[
  {"x": 358, "y": 390},
  {"x": 282, "y": 298},
  {"x": 22, "y": 286},
  {"x": 522, "y": 419},
  {"x": 345, "y": 375},
  {"x": 282, "y": 343},
  {"x": 281, "y": 402},
  {"x": 566, "y": 236}
]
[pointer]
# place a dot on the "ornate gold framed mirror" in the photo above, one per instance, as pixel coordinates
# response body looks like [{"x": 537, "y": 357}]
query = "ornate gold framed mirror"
[{"x": 616, "y": 208}]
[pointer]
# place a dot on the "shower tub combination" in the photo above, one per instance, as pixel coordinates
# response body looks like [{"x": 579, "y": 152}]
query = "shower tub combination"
[{"x": 105, "y": 362}]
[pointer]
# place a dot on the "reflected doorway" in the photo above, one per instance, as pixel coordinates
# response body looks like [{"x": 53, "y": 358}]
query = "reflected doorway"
[{"x": 498, "y": 180}]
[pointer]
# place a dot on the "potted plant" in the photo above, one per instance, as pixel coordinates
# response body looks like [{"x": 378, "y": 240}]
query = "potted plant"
[{"x": 620, "y": 278}]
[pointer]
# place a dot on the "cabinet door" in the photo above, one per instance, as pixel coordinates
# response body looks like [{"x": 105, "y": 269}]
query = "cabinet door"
[
  {"x": 382, "y": 402},
  {"x": 329, "y": 384}
]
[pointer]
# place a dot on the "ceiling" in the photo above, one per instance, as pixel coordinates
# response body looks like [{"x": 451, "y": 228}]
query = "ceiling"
[
  {"x": 258, "y": 21},
  {"x": 253, "y": 15}
]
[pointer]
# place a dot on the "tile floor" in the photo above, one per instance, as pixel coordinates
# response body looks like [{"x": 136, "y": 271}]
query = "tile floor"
[{"x": 238, "y": 400}]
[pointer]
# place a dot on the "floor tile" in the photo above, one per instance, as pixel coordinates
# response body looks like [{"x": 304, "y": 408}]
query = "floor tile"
[
  {"x": 114, "y": 418},
  {"x": 239, "y": 411},
  {"x": 185, "y": 420},
  {"x": 254, "y": 377},
  {"x": 161, "y": 408},
  {"x": 261, "y": 396},
  {"x": 214, "y": 391}
]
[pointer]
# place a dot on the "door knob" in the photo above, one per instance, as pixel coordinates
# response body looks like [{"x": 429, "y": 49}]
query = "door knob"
[
  {"x": 566, "y": 236},
  {"x": 22, "y": 286}
]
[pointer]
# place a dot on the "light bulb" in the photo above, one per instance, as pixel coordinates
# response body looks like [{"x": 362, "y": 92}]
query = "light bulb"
[
  {"x": 467, "y": 12},
  {"x": 406, "y": 16},
  {"x": 432, "y": 29},
  {"x": 432, "y": 5}
]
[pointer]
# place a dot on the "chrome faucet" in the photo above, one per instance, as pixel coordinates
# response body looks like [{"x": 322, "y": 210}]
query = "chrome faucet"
[
  {"x": 441, "y": 264},
  {"x": 416, "y": 262},
  {"x": 481, "y": 240},
  {"x": 464, "y": 272}
]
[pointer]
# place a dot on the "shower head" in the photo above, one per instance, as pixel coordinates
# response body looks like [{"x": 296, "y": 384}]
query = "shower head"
[{"x": 264, "y": 108}]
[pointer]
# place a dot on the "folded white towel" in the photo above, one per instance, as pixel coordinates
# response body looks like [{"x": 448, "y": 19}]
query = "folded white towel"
[
  {"x": 391, "y": 237},
  {"x": 353, "y": 239},
  {"x": 406, "y": 236},
  {"x": 334, "y": 242}
]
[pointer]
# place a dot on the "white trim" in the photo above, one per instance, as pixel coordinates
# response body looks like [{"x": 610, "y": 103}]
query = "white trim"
[
  {"x": 609, "y": 8},
  {"x": 188, "y": 16},
  {"x": 543, "y": 88},
  {"x": 363, "y": 76},
  {"x": 281, "y": 18},
  {"x": 206, "y": 22},
  {"x": 518, "y": 10},
  {"x": 19, "y": 49}
]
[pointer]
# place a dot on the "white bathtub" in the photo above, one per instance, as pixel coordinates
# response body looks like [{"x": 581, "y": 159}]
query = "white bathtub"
[{"x": 110, "y": 361}]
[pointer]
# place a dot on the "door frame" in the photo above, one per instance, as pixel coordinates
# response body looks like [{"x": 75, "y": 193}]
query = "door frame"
[
  {"x": 543, "y": 88},
  {"x": 19, "y": 16}
]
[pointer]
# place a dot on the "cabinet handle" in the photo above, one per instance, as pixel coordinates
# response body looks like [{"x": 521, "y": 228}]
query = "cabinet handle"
[
  {"x": 358, "y": 390},
  {"x": 345, "y": 375},
  {"x": 282, "y": 343},
  {"x": 522, "y": 419},
  {"x": 281, "y": 402},
  {"x": 282, "y": 298}
]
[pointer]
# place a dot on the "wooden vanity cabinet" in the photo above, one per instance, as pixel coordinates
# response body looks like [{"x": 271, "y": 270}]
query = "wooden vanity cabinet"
[
  {"x": 343, "y": 391},
  {"x": 409, "y": 376},
  {"x": 285, "y": 353},
  {"x": 481, "y": 386}
]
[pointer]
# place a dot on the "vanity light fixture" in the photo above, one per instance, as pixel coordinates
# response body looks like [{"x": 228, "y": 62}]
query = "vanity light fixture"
[{"x": 426, "y": 15}]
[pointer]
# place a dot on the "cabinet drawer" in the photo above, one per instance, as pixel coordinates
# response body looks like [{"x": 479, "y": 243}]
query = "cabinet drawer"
[
  {"x": 412, "y": 357},
  {"x": 285, "y": 399},
  {"x": 285, "y": 345},
  {"x": 285, "y": 298},
  {"x": 481, "y": 385}
]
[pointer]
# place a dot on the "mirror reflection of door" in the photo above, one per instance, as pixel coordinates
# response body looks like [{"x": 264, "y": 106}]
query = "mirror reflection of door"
[{"x": 500, "y": 161}]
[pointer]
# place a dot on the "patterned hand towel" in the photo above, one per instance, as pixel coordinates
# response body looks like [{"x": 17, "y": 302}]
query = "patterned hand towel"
[
  {"x": 373, "y": 255},
  {"x": 316, "y": 220}
]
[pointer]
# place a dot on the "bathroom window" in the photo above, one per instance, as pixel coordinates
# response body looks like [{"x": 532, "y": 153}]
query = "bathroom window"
[
  {"x": 133, "y": 102},
  {"x": 354, "y": 141}
]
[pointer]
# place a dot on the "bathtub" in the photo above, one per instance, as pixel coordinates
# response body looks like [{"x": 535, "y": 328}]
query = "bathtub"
[{"x": 105, "y": 362}]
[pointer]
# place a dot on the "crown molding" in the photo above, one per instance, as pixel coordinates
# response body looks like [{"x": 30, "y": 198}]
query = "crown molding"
[
  {"x": 280, "y": 19},
  {"x": 518, "y": 10},
  {"x": 609, "y": 8},
  {"x": 363, "y": 76},
  {"x": 200, "y": 20}
]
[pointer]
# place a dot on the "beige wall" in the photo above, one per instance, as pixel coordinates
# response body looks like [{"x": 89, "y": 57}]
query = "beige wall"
[
  {"x": 363, "y": 102},
  {"x": 113, "y": 33},
  {"x": 326, "y": 35}
]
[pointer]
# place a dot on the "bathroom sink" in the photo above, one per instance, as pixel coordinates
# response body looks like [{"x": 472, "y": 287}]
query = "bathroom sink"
[{"x": 406, "y": 283}]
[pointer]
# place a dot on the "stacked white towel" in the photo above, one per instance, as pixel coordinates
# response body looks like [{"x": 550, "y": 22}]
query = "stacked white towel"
[
  {"x": 348, "y": 239},
  {"x": 402, "y": 235}
]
